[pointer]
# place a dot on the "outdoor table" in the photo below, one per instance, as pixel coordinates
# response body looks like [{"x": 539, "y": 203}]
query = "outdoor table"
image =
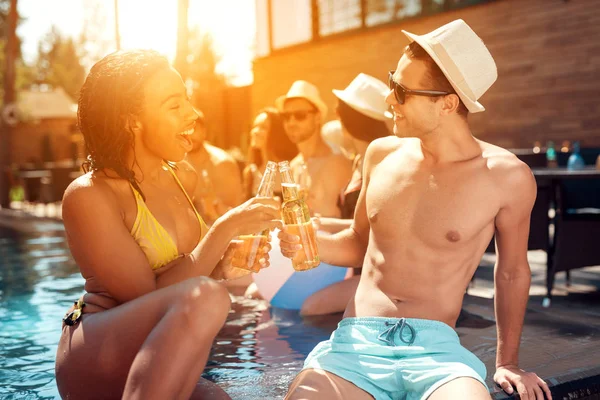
[{"x": 553, "y": 177}]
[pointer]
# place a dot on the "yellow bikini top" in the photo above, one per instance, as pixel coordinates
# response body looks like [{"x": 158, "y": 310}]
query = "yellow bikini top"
[{"x": 155, "y": 241}]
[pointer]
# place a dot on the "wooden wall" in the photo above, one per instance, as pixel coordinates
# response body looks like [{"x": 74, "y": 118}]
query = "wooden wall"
[{"x": 547, "y": 52}]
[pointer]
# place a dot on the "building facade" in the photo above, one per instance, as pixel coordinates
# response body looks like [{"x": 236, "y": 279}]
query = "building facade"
[
  {"x": 47, "y": 131},
  {"x": 547, "y": 53}
]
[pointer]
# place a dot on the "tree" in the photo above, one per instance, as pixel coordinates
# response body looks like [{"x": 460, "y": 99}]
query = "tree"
[
  {"x": 24, "y": 73},
  {"x": 203, "y": 59},
  {"x": 94, "y": 42},
  {"x": 59, "y": 63},
  {"x": 207, "y": 86}
]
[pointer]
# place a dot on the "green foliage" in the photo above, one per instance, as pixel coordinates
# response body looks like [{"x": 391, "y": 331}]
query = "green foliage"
[
  {"x": 24, "y": 73},
  {"x": 203, "y": 60},
  {"x": 59, "y": 63}
]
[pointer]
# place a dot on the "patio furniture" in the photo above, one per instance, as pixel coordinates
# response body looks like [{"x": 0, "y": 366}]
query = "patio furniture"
[
  {"x": 576, "y": 195},
  {"x": 589, "y": 155}
]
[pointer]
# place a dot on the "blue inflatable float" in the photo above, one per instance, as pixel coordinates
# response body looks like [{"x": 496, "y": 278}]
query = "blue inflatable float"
[{"x": 286, "y": 288}]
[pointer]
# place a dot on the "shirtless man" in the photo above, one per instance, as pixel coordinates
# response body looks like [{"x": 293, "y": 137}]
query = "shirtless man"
[
  {"x": 430, "y": 203},
  {"x": 327, "y": 173},
  {"x": 222, "y": 172}
]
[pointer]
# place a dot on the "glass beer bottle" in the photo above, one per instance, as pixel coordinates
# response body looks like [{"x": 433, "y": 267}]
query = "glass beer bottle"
[
  {"x": 251, "y": 243},
  {"x": 297, "y": 219}
]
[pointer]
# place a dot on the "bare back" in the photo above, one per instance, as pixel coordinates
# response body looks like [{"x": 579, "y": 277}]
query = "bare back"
[{"x": 429, "y": 226}]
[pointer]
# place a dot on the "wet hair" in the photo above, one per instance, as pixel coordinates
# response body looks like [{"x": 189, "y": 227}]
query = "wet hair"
[
  {"x": 435, "y": 78},
  {"x": 111, "y": 93},
  {"x": 360, "y": 126}
]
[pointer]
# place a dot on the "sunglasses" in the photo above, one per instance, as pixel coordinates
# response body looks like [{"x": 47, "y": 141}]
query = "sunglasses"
[
  {"x": 299, "y": 115},
  {"x": 401, "y": 92}
]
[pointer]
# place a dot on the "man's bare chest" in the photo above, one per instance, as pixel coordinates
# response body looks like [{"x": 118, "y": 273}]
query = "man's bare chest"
[{"x": 438, "y": 208}]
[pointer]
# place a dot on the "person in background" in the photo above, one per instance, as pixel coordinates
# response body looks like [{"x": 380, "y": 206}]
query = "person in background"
[
  {"x": 324, "y": 173},
  {"x": 334, "y": 137},
  {"x": 268, "y": 142},
  {"x": 219, "y": 185},
  {"x": 145, "y": 325},
  {"x": 362, "y": 113}
]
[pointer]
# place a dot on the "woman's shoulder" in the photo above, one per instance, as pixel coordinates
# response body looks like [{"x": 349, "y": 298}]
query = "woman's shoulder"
[{"x": 94, "y": 190}]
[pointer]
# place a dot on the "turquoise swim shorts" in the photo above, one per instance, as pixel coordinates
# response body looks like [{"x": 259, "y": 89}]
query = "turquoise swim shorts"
[{"x": 395, "y": 358}]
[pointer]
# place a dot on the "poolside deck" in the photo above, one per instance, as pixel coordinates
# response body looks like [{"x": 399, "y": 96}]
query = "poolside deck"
[{"x": 561, "y": 343}]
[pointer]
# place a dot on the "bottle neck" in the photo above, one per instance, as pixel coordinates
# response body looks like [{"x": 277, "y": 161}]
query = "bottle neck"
[
  {"x": 286, "y": 175},
  {"x": 265, "y": 188},
  {"x": 289, "y": 188}
]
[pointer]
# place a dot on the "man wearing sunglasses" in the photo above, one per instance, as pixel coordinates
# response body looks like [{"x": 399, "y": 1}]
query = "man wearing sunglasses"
[
  {"x": 303, "y": 113},
  {"x": 431, "y": 200}
]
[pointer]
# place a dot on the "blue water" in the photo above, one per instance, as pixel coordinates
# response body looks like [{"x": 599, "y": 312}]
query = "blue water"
[{"x": 255, "y": 356}]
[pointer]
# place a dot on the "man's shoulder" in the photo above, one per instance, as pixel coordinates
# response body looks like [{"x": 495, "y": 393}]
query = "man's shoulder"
[
  {"x": 381, "y": 147},
  {"x": 506, "y": 168},
  {"x": 501, "y": 160}
]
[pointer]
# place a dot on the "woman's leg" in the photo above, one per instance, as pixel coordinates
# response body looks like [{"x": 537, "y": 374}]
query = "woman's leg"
[
  {"x": 331, "y": 299},
  {"x": 153, "y": 347}
]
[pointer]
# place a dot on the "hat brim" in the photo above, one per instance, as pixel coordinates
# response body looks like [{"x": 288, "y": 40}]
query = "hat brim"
[
  {"x": 320, "y": 105},
  {"x": 472, "y": 106},
  {"x": 345, "y": 97}
]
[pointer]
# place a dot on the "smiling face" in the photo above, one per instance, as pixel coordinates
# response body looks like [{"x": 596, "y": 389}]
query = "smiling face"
[
  {"x": 167, "y": 120},
  {"x": 419, "y": 115}
]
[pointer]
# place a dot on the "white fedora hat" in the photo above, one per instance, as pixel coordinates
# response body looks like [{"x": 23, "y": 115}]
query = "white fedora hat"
[
  {"x": 366, "y": 95},
  {"x": 463, "y": 58},
  {"x": 304, "y": 90}
]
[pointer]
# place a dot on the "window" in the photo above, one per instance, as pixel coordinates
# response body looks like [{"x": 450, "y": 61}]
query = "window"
[
  {"x": 338, "y": 16},
  {"x": 291, "y": 22},
  {"x": 284, "y": 23}
]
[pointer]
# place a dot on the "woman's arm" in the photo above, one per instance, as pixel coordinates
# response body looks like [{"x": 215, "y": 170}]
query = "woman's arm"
[
  {"x": 255, "y": 215},
  {"x": 100, "y": 242}
]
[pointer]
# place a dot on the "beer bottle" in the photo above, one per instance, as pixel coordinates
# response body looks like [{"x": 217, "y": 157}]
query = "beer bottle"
[
  {"x": 253, "y": 242},
  {"x": 296, "y": 217}
]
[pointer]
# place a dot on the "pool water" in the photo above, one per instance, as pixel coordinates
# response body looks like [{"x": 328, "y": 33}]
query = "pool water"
[{"x": 255, "y": 356}]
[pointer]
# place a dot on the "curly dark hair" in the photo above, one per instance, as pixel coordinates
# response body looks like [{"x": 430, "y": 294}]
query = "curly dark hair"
[{"x": 111, "y": 93}]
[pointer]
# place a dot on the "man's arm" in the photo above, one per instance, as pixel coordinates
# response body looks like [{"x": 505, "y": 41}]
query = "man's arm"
[
  {"x": 333, "y": 225},
  {"x": 512, "y": 278},
  {"x": 347, "y": 247}
]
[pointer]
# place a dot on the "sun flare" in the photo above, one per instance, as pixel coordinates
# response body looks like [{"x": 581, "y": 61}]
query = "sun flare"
[{"x": 153, "y": 25}]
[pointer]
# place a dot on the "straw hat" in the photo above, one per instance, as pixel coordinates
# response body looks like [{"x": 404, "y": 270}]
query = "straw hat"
[
  {"x": 463, "y": 58},
  {"x": 303, "y": 90},
  {"x": 366, "y": 95}
]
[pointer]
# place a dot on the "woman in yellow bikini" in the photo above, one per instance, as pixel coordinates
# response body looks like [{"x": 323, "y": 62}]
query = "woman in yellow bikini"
[{"x": 144, "y": 328}]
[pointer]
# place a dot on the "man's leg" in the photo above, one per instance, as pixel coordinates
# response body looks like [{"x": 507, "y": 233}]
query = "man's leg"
[
  {"x": 319, "y": 384},
  {"x": 461, "y": 388}
]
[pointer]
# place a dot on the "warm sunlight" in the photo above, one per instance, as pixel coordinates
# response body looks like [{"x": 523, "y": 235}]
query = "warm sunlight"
[
  {"x": 148, "y": 24},
  {"x": 156, "y": 27}
]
